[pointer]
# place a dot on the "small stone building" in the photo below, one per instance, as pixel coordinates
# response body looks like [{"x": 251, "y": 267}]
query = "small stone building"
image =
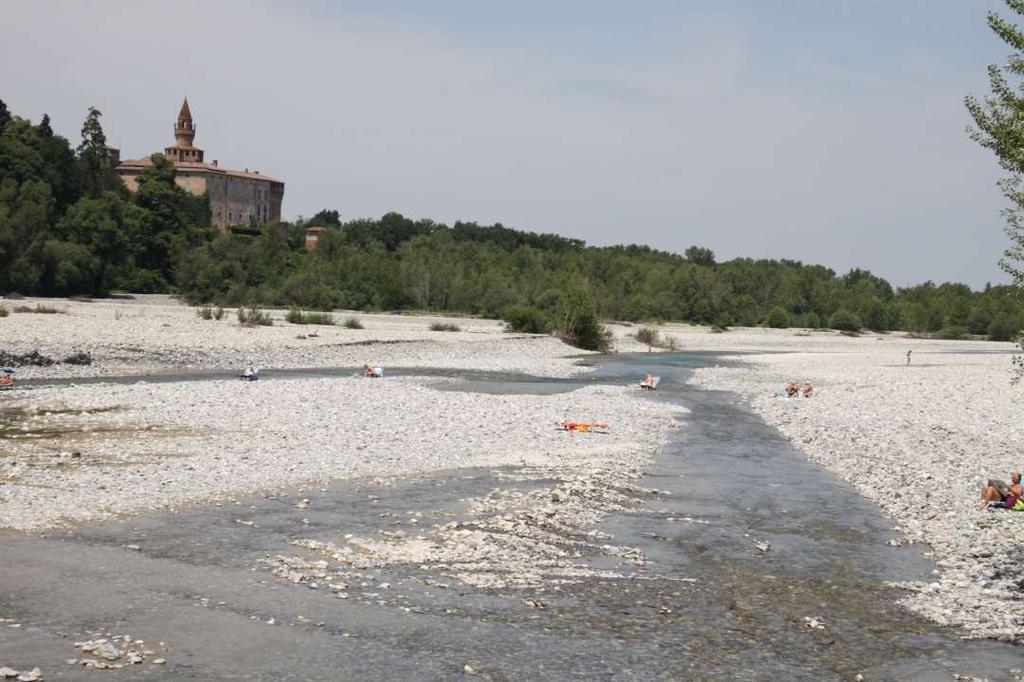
[
  {"x": 313, "y": 235},
  {"x": 246, "y": 198}
]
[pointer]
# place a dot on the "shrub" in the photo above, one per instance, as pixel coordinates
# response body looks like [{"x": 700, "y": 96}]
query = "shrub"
[
  {"x": 952, "y": 333},
  {"x": 3, "y": 312},
  {"x": 444, "y": 327},
  {"x": 588, "y": 334},
  {"x": 809, "y": 320},
  {"x": 649, "y": 336},
  {"x": 253, "y": 317},
  {"x": 777, "y": 318},
  {"x": 526, "y": 320},
  {"x": 218, "y": 314},
  {"x": 79, "y": 358},
  {"x": 844, "y": 321},
  {"x": 1003, "y": 329},
  {"x": 873, "y": 314},
  {"x": 78, "y": 298},
  {"x": 204, "y": 312},
  {"x": 46, "y": 310},
  {"x": 353, "y": 323},
  {"x": 296, "y": 316}
]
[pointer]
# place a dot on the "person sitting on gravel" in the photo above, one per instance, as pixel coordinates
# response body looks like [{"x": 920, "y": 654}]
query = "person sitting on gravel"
[
  {"x": 997, "y": 495},
  {"x": 648, "y": 383},
  {"x": 7, "y": 378},
  {"x": 372, "y": 372},
  {"x": 808, "y": 390},
  {"x": 792, "y": 389}
]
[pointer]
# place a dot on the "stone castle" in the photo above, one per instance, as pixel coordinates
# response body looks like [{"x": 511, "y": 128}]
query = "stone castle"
[{"x": 237, "y": 198}]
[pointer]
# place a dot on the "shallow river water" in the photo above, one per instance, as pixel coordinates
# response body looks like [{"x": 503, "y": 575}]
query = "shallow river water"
[{"x": 707, "y": 604}]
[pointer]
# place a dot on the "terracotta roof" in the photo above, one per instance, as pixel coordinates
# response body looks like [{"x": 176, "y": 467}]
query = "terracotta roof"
[
  {"x": 208, "y": 167},
  {"x": 185, "y": 113}
]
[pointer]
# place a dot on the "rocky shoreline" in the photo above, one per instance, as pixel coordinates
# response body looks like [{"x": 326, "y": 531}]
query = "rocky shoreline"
[{"x": 919, "y": 441}]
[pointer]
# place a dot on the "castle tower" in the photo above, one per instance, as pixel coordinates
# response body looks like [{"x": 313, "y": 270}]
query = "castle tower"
[{"x": 184, "y": 134}]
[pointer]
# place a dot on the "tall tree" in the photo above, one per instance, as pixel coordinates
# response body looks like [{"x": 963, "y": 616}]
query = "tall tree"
[
  {"x": 5, "y": 116},
  {"x": 94, "y": 156},
  {"x": 999, "y": 121}
]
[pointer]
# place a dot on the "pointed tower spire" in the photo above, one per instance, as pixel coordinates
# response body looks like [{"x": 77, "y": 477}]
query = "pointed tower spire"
[
  {"x": 185, "y": 114},
  {"x": 184, "y": 133}
]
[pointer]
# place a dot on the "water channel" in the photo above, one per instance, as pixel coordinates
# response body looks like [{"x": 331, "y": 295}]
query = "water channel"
[{"x": 707, "y": 605}]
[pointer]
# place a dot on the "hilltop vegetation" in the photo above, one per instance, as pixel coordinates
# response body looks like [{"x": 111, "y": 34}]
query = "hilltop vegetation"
[
  {"x": 535, "y": 279},
  {"x": 67, "y": 226}
]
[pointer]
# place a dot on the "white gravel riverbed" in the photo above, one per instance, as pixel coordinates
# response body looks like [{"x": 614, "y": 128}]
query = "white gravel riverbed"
[
  {"x": 160, "y": 445},
  {"x": 919, "y": 441},
  {"x": 156, "y": 333}
]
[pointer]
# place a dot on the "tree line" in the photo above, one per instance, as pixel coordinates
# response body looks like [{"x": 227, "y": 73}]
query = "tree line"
[{"x": 68, "y": 226}]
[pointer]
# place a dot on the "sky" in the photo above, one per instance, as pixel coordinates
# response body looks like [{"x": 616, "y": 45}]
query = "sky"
[{"x": 827, "y": 131}]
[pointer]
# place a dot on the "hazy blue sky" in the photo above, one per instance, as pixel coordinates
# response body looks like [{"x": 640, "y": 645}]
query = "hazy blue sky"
[{"x": 827, "y": 131}]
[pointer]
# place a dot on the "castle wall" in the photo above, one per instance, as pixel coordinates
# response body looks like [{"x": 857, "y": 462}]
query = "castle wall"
[
  {"x": 193, "y": 183},
  {"x": 243, "y": 200}
]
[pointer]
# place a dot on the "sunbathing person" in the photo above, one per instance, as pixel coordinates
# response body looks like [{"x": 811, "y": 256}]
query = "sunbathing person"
[
  {"x": 808, "y": 390},
  {"x": 6, "y": 381},
  {"x": 648, "y": 383},
  {"x": 792, "y": 389},
  {"x": 372, "y": 372},
  {"x": 996, "y": 494},
  {"x": 583, "y": 427}
]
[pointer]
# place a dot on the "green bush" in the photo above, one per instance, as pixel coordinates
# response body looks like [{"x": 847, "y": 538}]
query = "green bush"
[
  {"x": 777, "y": 318},
  {"x": 808, "y": 321},
  {"x": 1003, "y": 329},
  {"x": 218, "y": 314},
  {"x": 649, "y": 336},
  {"x": 296, "y": 316},
  {"x": 444, "y": 327},
  {"x": 42, "y": 309},
  {"x": 526, "y": 320},
  {"x": 254, "y": 317},
  {"x": 3, "y": 312},
  {"x": 578, "y": 323},
  {"x": 204, "y": 312},
  {"x": 952, "y": 333},
  {"x": 844, "y": 321},
  {"x": 873, "y": 315},
  {"x": 353, "y": 323}
]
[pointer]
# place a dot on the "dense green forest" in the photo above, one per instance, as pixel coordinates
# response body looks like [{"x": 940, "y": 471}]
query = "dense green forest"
[{"x": 67, "y": 226}]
